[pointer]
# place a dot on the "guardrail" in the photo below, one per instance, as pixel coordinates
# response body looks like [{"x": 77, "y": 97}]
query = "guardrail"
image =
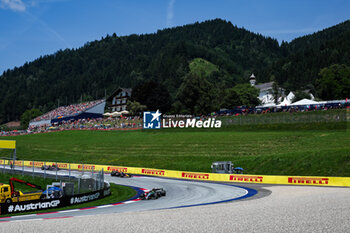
[{"x": 239, "y": 178}]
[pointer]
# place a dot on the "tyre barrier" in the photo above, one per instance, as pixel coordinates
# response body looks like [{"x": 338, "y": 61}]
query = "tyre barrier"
[{"x": 237, "y": 178}]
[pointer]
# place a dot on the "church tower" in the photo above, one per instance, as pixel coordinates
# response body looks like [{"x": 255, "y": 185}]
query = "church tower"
[{"x": 252, "y": 80}]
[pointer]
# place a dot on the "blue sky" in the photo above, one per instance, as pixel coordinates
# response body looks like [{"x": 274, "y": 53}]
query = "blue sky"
[{"x": 31, "y": 28}]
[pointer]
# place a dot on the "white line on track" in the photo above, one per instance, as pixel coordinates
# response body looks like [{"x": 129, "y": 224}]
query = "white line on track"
[
  {"x": 67, "y": 211},
  {"x": 104, "y": 206}
]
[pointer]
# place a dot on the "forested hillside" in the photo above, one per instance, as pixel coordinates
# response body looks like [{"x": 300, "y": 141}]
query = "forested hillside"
[
  {"x": 215, "y": 54},
  {"x": 304, "y": 57}
]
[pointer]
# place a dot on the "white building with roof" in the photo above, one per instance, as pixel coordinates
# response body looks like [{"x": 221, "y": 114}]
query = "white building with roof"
[{"x": 266, "y": 92}]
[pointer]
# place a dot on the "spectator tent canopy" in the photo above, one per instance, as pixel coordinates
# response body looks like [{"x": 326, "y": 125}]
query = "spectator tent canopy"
[{"x": 304, "y": 102}]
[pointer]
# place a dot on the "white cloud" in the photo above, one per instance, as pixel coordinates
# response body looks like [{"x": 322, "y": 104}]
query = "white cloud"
[
  {"x": 15, "y": 5},
  {"x": 170, "y": 13}
]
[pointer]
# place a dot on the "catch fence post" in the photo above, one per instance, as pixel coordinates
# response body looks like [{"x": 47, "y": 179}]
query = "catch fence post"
[
  {"x": 44, "y": 170},
  {"x": 69, "y": 172},
  {"x": 101, "y": 179},
  {"x": 78, "y": 185},
  {"x": 22, "y": 167},
  {"x": 33, "y": 169},
  {"x": 14, "y": 162},
  {"x": 83, "y": 170},
  {"x": 103, "y": 175},
  {"x": 56, "y": 170}
]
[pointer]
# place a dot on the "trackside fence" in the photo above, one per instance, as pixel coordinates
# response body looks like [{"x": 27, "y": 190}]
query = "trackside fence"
[
  {"x": 331, "y": 116},
  {"x": 246, "y": 178},
  {"x": 88, "y": 181}
]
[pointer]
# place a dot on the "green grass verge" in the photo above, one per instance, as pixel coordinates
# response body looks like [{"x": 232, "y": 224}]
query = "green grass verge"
[
  {"x": 118, "y": 193},
  {"x": 315, "y": 151}
]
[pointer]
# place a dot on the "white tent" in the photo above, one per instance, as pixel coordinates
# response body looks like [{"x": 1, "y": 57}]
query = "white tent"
[
  {"x": 107, "y": 114},
  {"x": 285, "y": 102},
  {"x": 271, "y": 105},
  {"x": 115, "y": 114},
  {"x": 290, "y": 97},
  {"x": 304, "y": 102},
  {"x": 124, "y": 112}
]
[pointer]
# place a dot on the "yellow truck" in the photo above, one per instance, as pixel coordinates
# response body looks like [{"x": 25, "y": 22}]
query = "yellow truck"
[{"x": 8, "y": 194}]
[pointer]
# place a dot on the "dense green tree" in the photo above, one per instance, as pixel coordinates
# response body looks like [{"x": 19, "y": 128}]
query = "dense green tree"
[
  {"x": 304, "y": 57},
  {"x": 334, "y": 82},
  {"x": 135, "y": 108},
  {"x": 248, "y": 95},
  {"x": 276, "y": 90},
  {"x": 197, "y": 95},
  {"x": 154, "y": 95},
  {"x": 231, "y": 99},
  {"x": 28, "y": 115}
]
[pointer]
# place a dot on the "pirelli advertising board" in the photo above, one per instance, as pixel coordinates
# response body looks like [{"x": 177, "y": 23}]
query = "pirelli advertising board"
[
  {"x": 236, "y": 178},
  {"x": 7, "y": 144}
]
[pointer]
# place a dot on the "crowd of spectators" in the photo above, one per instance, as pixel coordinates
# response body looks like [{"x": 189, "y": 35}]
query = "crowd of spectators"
[
  {"x": 82, "y": 124},
  {"x": 70, "y": 110},
  {"x": 244, "y": 110}
]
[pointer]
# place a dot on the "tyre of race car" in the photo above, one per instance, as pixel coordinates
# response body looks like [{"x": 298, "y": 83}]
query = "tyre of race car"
[{"x": 8, "y": 201}]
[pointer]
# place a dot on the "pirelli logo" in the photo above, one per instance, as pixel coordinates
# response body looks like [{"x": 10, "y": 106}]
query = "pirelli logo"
[
  {"x": 254, "y": 179},
  {"x": 37, "y": 164},
  {"x": 195, "y": 176},
  {"x": 61, "y": 165},
  {"x": 86, "y": 167},
  {"x": 118, "y": 169},
  {"x": 153, "y": 172},
  {"x": 18, "y": 163},
  {"x": 307, "y": 180}
]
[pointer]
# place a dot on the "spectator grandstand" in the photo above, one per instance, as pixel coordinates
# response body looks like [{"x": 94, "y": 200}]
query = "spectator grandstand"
[
  {"x": 120, "y": 123},
  {"x": 69, "y": 110},
  {"x": 92, "y": 109}
]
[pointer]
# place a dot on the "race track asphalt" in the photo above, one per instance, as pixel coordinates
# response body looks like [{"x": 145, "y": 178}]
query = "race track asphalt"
[{"x": 180, "y": 193}]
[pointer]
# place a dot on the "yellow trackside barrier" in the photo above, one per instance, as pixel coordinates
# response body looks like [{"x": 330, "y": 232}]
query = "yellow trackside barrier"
[
  {"x": 7, "y": 144},
  {"x": 238, "y": 178}
]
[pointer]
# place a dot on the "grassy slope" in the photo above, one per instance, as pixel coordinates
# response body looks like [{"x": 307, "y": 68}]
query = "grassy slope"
[
  {"x": 199, "y": 66},
  {"x": 298, "y": 152}
]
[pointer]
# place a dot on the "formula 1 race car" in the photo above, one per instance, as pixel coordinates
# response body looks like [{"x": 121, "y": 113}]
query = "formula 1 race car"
[
  {"x": 50, "y": 168},
  {"x": 154, "y": 193},
  {"x": 120, "y": 174}
]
